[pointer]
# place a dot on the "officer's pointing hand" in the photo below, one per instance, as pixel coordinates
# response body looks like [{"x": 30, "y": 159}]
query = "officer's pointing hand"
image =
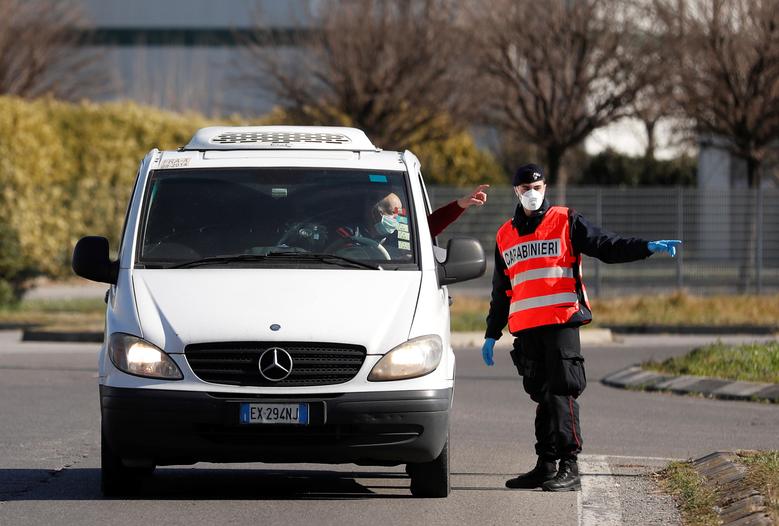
[
  {"x": 665, "y": 245},
  {"x": 487, "y": 350},
  {"x": 478, "y": 197}
]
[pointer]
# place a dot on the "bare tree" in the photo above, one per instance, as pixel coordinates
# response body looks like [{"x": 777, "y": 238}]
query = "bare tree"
[
  {"x": 557, "y": 70},
  {"x": 390, "y": 67},
  {"x": 725, "y": 55},
  {"x": 40, "y": 52},
  {"x": 653, "y": 104}
]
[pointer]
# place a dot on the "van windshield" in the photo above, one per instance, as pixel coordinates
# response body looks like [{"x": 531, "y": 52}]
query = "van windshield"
[{"x": 288, "y": 217}]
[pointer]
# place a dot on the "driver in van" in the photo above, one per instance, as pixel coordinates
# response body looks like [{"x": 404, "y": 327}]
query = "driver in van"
[
  {"x": 382, "y": 217},
  {"x": 380, "y": 221}
]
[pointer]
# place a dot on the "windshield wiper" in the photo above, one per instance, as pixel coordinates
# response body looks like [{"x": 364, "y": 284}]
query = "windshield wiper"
[
  {"x": 304, "y": 256},
  {"x": 326, "y": 258},
  {"x": 221, "y": 259}
]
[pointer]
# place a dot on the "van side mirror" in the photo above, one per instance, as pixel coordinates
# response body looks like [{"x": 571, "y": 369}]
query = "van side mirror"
[
  {"x": 464, "y": 260},
  {"x": 91, "y": 261}
]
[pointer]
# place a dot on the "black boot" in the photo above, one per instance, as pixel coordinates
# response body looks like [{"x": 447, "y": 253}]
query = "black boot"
[
  {"x": 567, "y": 478},
  {"x": 544, "y": 470}
]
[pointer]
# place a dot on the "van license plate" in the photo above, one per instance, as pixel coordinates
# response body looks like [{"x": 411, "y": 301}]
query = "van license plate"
[{"x": 274, "y": 414}]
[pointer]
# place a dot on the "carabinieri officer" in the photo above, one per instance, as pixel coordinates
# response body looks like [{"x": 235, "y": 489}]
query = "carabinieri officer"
[{"x": 537, "y": 289}]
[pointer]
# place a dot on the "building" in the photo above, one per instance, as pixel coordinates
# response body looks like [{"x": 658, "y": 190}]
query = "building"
[{"x": 188, "y": 54}]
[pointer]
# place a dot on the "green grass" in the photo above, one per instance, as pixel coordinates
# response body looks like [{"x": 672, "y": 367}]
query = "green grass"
[
  {"x": 763, "y": 474},
  {"x": 468, "y": 314},
  {"x": 755, "y": 362},
  {"x": 695, "y": 500}
]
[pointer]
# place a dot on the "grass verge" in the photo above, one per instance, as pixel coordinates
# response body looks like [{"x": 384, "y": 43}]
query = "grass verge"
[
  {"x": 754, "y": 362},
  {"x": 685, "y": 309},
  {"x": 86, "y": 314},
  {"x": 695, "y": 500},
  {"x": 763, "y": 474},
  {"x": 468, "y": 314}
]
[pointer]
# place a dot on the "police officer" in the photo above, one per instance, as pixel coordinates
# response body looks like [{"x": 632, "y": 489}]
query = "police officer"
[{"x": 537, "y": 289}]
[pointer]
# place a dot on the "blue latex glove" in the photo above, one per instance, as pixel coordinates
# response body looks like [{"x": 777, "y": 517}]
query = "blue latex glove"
[
  {"x": 665, "y": 245},
  {"x": 487, "y": 349}
]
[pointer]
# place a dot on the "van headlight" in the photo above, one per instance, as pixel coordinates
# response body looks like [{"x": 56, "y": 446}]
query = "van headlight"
[
  {"x": 136, "y": 356},
  {"x": 416, "y": 357}
]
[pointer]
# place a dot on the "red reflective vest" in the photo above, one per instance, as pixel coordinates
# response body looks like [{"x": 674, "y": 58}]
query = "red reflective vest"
[{"x": 544, "y": 272}]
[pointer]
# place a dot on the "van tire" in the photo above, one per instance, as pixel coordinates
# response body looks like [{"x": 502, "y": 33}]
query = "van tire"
[
  {"x": 431, "y": 479},
  {"x": 116, "y": 479}
]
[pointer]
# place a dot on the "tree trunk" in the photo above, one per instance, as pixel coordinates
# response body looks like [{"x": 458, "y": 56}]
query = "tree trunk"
[
  {"x": 649, "y": 127},
  {"x": 748, "y": 261},
  {"x": 555, "y": 173}
]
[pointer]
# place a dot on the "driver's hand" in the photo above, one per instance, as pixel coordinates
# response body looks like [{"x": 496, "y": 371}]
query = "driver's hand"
[
  {"x": 476, "y": 198},
  {"x": 345, "y": 232}
]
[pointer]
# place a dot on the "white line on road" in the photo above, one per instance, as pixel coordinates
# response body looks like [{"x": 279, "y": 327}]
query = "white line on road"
[
  {"x": 633, "y": 457},
  {"x": 599, "y": 503}
]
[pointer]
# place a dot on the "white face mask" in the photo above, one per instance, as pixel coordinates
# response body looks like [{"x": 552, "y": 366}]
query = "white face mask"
[
  {"x": 387, "y": 226},
  {"x": 531, "y": 200}
]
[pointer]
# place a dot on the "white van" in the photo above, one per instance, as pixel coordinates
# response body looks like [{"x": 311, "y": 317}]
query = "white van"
[{"x": 277, "y": 298}]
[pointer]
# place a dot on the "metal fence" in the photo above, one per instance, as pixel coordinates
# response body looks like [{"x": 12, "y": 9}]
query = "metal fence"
[{"x": 731, "y": 236}]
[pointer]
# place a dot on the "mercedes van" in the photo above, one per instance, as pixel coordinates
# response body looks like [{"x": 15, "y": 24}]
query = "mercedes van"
[{"x": 277, "y": 297}]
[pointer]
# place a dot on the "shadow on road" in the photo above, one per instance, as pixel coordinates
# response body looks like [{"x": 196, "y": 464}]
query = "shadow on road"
[
  {"x": 205, "y": 484},
  {"x": 183, "y": 483}
]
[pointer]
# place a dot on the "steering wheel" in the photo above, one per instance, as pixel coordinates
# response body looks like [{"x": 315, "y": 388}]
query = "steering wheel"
[
  {"x": 358, "y": 247},
  {"x": 177, "y": 234}
]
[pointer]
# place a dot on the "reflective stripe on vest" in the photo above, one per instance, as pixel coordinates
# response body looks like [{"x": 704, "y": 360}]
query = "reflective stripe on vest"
[
  {"x": 542, "y": 273},
  {"x": 543, "y": 301},
  {"x": 541, "y": 268}
]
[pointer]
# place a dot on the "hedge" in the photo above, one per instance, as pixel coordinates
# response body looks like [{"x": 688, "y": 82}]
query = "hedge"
[{"x": 66, "y": 170}]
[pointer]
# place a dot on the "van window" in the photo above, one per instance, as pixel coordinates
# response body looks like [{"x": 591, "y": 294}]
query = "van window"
[{"x": 357, "y": 214}]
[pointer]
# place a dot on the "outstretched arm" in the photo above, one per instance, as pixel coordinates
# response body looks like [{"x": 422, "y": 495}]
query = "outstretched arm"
[
  {"x": 442, "y": 217},
  {"x": 594, "y": 241}
]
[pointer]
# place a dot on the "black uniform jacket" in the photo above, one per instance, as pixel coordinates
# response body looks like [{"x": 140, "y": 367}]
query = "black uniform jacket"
[{"x": 586, "y": 238}]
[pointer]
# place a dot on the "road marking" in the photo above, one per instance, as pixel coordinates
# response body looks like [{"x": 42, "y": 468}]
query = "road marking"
[
  {"x": 633, "y": 457},
  {"x": 598, "y": 503}
]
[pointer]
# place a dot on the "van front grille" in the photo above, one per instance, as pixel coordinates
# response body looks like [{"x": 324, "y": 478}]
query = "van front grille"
[{"x": 238, "y": 363}]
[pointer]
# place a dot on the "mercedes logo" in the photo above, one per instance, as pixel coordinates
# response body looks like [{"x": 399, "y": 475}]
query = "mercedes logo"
[{"x": 275, "y": 364}]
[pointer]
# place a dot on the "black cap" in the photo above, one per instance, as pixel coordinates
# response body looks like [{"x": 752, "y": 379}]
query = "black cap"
[{"x": 528, "y": 174}]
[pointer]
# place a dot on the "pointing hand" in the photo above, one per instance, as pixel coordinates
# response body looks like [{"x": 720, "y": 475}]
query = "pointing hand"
[
  {"x": 487, "y": 350},
  {"x": 478, "y": 197},
  {"x": 665, "y": 245}
]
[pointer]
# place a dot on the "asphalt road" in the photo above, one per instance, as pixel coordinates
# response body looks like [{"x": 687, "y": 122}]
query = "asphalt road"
[{"x": 49, "y": 454}]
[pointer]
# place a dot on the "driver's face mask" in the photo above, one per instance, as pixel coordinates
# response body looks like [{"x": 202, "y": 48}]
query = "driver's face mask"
[
  {"x": 531, "y": 200},
  {"x": 388, "y": 225}
]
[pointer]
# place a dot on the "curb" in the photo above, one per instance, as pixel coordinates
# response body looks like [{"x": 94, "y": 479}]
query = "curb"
[
  {"x": 476, "y": 339},
  {"x": 634, "y": 377},
  {"x": 761, "y": 330},
  {"x": 31, "y": 335},
  {"x": 739, "y": 503},
  {"x": 21, "y": 326}
]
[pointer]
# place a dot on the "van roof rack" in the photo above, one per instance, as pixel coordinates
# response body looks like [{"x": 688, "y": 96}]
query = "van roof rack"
[{"x": 280, "y": 138}]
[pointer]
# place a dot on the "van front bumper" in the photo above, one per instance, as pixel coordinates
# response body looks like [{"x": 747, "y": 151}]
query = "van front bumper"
[{"x": 183, "y": 427}]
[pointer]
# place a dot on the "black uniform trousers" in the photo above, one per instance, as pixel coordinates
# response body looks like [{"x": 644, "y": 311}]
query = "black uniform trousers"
[{"x": 550, "y": 361}]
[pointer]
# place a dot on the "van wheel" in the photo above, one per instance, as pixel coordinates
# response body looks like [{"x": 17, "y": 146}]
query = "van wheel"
[
  {"x": 431, "y": 479},
  {"x": 115, "y": 478}
]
